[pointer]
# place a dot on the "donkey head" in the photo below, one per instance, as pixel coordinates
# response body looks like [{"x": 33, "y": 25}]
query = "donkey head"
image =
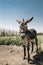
[{"x": 23, "y": 25}]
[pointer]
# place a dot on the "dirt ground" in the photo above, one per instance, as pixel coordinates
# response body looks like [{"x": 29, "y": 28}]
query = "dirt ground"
[{"x": 13, "y": 55}]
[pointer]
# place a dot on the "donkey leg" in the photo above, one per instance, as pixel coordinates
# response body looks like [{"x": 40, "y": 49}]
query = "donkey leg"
[
  {"x": 36, "y": 45},
  {"x": 24, "y": 51},
  {"x": 32, "y": 46},
  {"x": 28, "y": 51}
]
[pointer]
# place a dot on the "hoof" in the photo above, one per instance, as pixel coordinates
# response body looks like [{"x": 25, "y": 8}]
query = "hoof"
[
  {"x": 24, "y": 58},
  {"x": 37, "y": 52},
  {"x": 28, "y": 60},
  {"x": 31, "y": 51}
]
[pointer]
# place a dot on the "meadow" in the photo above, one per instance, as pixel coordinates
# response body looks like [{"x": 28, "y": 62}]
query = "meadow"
[
  {"x": 16, "y": 40},
  {"x": 10, "y": 40}
]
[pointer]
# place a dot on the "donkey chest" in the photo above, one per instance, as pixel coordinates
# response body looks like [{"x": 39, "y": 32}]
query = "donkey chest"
[{"x": 28, "y": 38}]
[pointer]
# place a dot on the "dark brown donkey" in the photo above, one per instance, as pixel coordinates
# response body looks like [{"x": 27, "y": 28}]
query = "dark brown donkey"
[{"x": 27, "y": 35}]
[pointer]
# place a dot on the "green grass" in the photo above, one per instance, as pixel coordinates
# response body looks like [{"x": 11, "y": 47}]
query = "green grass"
[
  {"x": 40, "y": 42},
  {"x": 16, "y": 40},
  {"x": 40, "y": 39},
  {"x": 10, "y": 40}
]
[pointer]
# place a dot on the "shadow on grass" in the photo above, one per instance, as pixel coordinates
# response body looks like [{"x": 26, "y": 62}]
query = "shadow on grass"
[{"x": 37, "y": 59}]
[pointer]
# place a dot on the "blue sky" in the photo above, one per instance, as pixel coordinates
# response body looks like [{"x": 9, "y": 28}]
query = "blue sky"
[{"x": 10, "y": 10}]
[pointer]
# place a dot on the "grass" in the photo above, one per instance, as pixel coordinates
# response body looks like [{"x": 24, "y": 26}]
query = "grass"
[
  {"x": 11, "y": 40},
  {"x": 40, "y": 42},
  {"x": 40, "y": 39}
]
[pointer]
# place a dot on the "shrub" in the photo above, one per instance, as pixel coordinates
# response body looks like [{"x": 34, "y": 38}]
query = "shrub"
[{"x": 10, "y": 40}]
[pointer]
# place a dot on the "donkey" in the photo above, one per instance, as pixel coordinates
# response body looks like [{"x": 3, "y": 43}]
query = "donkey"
[{"x": 27, "y": 35}]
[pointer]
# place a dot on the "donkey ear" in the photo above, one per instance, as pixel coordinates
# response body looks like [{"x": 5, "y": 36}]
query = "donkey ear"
[
  {"x": 29, "y": 20},
  {"x": 18, "y": 21}
]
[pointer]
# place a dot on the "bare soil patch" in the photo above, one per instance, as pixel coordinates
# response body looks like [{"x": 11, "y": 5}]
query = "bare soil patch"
[{"x": 13, "y": 55}]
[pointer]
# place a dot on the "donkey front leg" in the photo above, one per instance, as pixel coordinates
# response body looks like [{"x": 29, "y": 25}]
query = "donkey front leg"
[
  {"x": 24, "y": 51},
  {"x": 28, "y": 51}
]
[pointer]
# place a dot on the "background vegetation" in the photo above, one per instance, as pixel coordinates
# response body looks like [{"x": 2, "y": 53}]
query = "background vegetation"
[
  {"x": 9, "y": 37},
  {"x": 11, "y": 40}
]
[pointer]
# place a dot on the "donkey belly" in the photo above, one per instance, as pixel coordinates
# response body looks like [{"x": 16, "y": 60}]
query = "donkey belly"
[
  {"x": 32, "y": 34},
  {"x": 29, "y": 36}
]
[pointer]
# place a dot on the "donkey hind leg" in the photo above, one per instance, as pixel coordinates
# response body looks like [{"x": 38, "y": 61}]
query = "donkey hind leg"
[
  {"x": 28, "y": 51},
  {"x": 36, "y": 45},
  {"x": 32, "y": 46},
  {"x": 24, "y": 51}
]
